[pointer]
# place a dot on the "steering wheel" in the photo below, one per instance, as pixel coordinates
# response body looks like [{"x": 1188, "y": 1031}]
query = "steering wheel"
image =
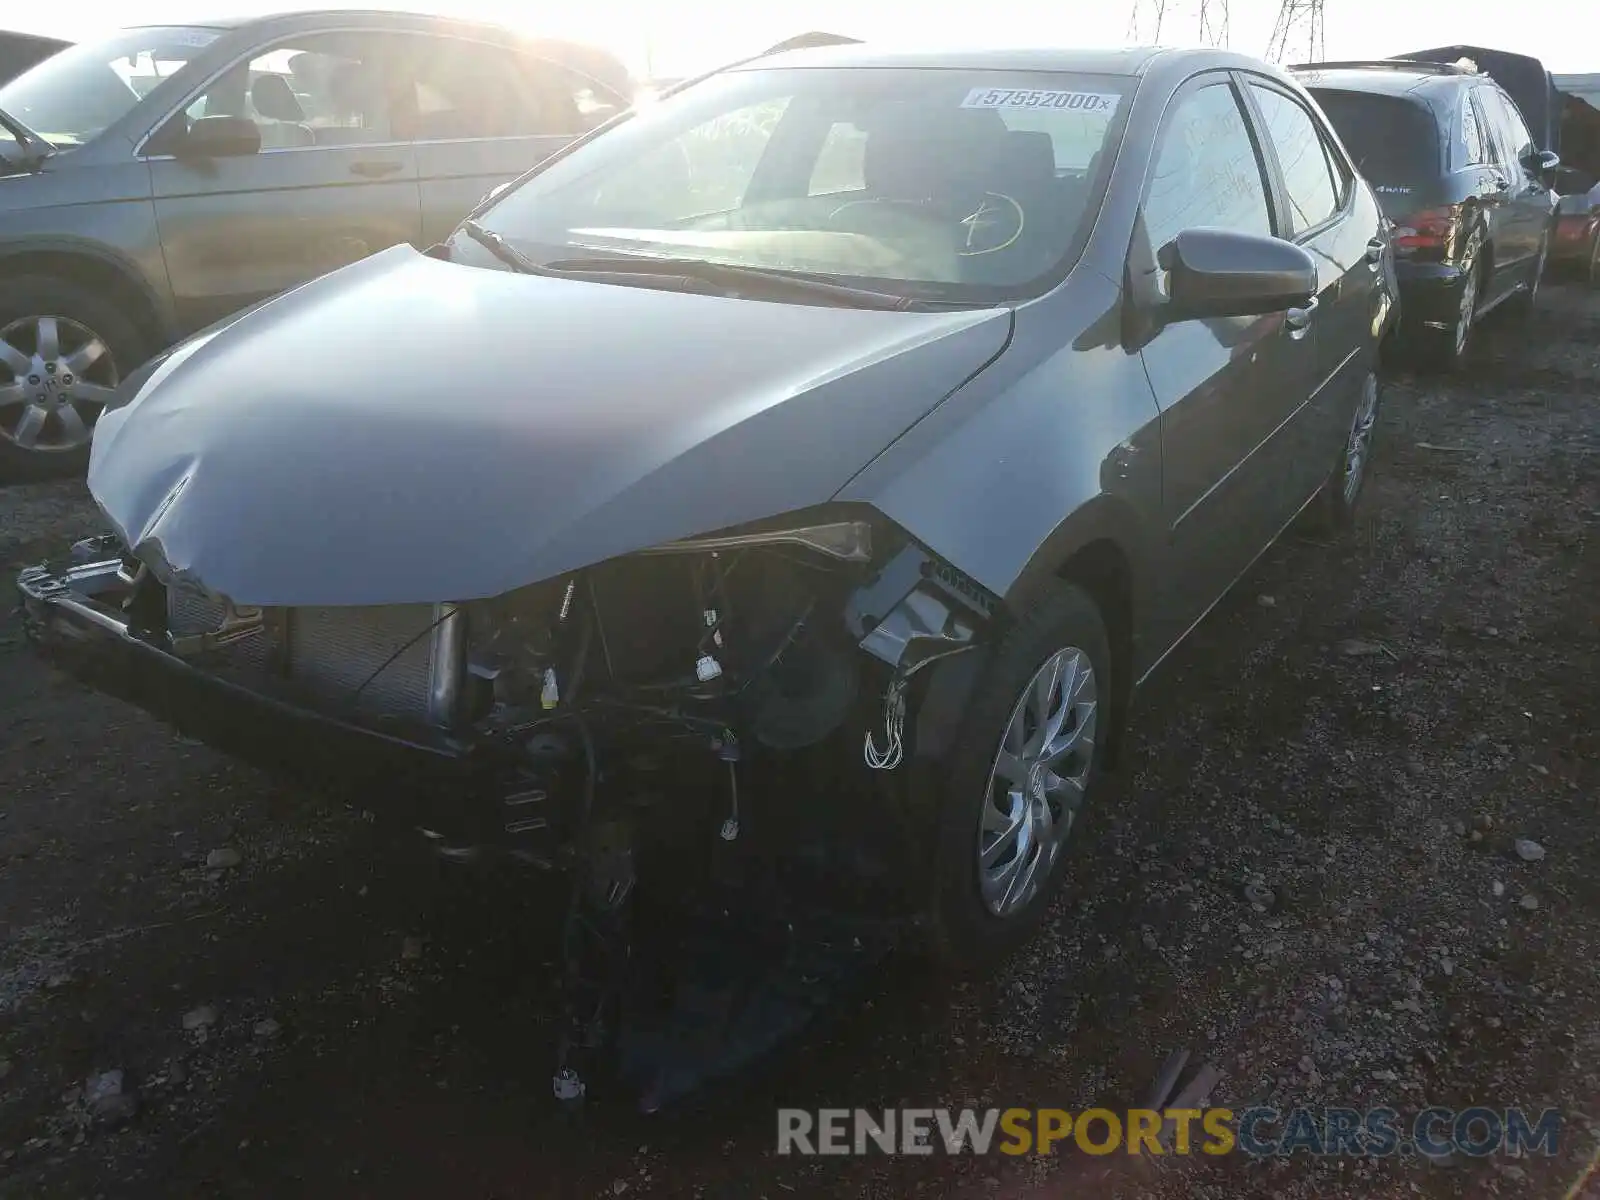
[{"x": 994, "y": 225}]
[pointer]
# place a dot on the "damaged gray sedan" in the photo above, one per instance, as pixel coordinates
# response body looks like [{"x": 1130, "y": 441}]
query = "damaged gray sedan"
[{"x": 899, "y": 410}]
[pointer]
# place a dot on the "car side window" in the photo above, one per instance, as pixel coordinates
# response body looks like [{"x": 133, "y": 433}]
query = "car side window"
[
  {"x": 840, "y": 165},
  {"x": 317, "y": 90},
  {"x": 454, "y": 90},
  {"x": 1470, "y": 151},
  {"x": 1516, "y": 127},
  {"x": 1504, "y": 133},
  {"x": 1208, "y": 171},
  {"x": 1308, "y": 182}
]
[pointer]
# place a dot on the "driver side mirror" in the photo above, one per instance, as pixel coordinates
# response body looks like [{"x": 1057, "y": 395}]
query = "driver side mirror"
[
  {"x": 1219, "y": 273},
  {"x": 1541, "y": 162},
  {"x": 217, "y": 137}
]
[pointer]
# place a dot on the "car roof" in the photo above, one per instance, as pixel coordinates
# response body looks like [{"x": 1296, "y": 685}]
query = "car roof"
[
  {"x": 1419, "y": 84},
  {"x": 1134, "y": 60},
  {"x": 376, "y": 17}
]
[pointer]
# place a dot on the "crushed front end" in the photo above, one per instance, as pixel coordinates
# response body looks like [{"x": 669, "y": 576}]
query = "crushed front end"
[{"x": 592, "y": 723}]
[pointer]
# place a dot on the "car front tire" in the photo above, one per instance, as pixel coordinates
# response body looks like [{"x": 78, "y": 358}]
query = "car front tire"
[{"x": 1024, "y": 770}]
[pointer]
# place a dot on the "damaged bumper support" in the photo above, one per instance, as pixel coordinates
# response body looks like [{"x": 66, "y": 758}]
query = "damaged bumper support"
[{"x": 74, "y": 614}]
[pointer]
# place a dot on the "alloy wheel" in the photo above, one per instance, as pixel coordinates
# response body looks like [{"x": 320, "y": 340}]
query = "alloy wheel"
[
  {"x": 1359, "y": 445},
  {"x": 1038, "y": 781},
  {"x": 56, "y": 375},
  {"x": 1594, "y": 259},
  {"x": 1469, "y": 308}
]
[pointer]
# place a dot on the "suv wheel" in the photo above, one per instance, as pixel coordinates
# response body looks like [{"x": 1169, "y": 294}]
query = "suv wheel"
[
  {"x": 1029, "y": 757},
  {"x": 62, "y": 351},
  {"x": 1446, "y": 349}
]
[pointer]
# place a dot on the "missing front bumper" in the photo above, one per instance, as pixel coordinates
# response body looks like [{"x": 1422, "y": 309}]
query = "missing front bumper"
[{"x": 73, "y": 616}]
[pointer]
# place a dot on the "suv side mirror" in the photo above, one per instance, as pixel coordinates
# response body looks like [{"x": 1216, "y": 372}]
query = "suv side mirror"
[
  {"x": 1541, "y": 162},
  {"x": 218, "y": 137},
  {"x": 1219, "y": 273}
]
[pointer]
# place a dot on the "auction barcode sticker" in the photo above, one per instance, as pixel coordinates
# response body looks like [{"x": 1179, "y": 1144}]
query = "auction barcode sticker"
[{"x": 1089, "y": 102}]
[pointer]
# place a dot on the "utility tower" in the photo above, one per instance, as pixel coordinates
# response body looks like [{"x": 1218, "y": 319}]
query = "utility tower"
[
  {"x": 1299, "y": 27},
  {"x": 1149, "y": 17}
]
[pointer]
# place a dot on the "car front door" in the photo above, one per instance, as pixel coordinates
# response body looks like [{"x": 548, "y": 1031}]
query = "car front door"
[
  {"x": 1226, "y": 387},
  {"x": 478, "y": 115},
  {"x": 329, "y": 185},
  {"x": 1340, "y": 227}
]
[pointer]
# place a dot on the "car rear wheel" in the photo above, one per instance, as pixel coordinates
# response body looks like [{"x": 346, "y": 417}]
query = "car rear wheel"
[
  {"x": 1335, "y": 507},
  {"x": 1027, "y": 762},
  {"x": 62, "y": 351},
  {"x": 1446, "y": 349}
]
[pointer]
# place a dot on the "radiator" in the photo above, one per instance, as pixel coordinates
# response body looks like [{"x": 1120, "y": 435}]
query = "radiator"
[{"x": 399, "y": 660}]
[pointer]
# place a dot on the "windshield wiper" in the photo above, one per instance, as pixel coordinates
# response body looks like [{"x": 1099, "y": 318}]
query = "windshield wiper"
[
  {"x": 728, "y": 275},
  {"x": 34, "y": 146},
  {"x": 503, "y": 250}
]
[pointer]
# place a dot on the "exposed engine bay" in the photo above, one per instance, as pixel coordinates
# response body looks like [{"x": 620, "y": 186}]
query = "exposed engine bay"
[{"x": 626, "y": 710}]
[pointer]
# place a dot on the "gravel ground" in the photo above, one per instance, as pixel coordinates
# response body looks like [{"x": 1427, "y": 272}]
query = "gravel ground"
[{"x": 1309, "y": 877}]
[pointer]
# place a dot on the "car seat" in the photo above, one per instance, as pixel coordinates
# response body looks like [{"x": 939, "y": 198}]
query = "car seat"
[{"x": 273, "y": 98}]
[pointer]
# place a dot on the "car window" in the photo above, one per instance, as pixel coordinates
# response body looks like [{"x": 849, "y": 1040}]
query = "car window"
[
  {"x": 1470, "y": 150},
  {"x": 74, "y": 96},
  {"x": 1501, "y": 132},
  {"x": 841, "y": 163},
  {"x": 921, "y": 181},
  {"x": 454, "y": 89},
  {"x": 1516, "y": 127},
  {"x": 1075, "y": 141},
  {"x": 1207, "y": 171},
  {"x": 318, "y": 90},
  {"x": 1308, "y": 182}
]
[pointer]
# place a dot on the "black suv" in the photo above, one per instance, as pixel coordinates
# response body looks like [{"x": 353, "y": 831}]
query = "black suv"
[{"x": 1456, "y": 170}]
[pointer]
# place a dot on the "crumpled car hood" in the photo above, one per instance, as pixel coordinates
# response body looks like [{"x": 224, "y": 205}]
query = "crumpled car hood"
[{"x": 408, "y": 430}]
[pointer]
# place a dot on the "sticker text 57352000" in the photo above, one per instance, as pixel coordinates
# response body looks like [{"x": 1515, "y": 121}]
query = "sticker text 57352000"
[{"x": 1085, "y": 102}]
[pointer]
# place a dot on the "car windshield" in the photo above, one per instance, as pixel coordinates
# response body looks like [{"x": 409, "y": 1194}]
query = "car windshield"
[
  {"x": 953, "y": 185},
  {"x": 74, "y": 96},
  {"x": 1393, "y": 140}
]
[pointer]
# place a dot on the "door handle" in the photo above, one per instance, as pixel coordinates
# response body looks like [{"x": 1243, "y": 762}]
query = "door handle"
[
  {"x": 374, "y": 170},
  {"x": 1299, "y": 319}
]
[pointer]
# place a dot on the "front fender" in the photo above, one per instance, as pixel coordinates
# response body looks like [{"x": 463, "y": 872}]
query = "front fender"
[{"x": 1055, "y": 444}]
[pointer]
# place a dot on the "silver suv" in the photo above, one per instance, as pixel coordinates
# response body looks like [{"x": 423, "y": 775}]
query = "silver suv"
[{"x": 160, "y": 178}]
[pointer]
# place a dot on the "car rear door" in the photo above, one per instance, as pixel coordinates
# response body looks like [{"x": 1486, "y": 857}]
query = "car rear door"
[
  {"x": 480, "y": 114},
  {"x": 1226, "y": 387},
  {"x": 330, "y": 185},
  {"x": 1340, "y": 225}
]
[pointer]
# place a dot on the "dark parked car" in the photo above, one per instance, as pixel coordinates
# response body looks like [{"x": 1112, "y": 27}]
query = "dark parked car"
[
  {"x": 160, "y": 178},
  {"x": 1456, "y": 169},
  {"x": 926, "y": 399},
  {"x": 19, "y": 51}
]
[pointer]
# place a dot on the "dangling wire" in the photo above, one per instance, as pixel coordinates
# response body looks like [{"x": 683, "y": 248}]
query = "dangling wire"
[{"x": 894, "y": 721}]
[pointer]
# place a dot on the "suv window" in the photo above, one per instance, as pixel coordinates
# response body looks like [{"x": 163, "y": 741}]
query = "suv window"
[
  {"x": 1520, "y": 140},
  {"x": 1394, "y": 141},
  {"x": 1470, "y": 149},
  {"x": 453, "y": 89},
  {"x": 1207, "y": 170},
  {"x": 318, "y": 90},
  {"x": 1314, "y": 195}
]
